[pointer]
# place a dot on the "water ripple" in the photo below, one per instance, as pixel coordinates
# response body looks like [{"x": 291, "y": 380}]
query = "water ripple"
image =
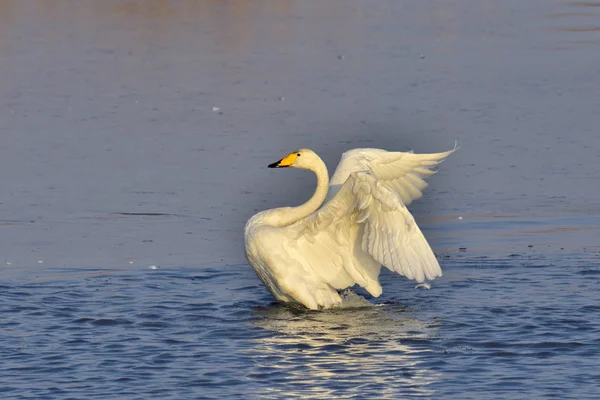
[{"x": 511, "y": 330}]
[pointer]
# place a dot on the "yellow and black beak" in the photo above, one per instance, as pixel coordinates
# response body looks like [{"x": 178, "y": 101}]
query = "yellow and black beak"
[
  {"x": 277, "y": 164},
  {"x": 287, "y": 161}
]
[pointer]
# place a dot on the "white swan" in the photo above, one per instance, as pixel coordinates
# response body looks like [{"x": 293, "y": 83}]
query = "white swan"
[{"x": 305, "y": 254}]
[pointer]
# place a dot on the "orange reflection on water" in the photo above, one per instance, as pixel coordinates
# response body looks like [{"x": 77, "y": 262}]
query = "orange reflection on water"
[{"x": 234, "y": 23}]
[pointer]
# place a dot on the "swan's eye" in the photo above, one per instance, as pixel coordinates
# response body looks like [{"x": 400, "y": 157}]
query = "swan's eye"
[{"x": 298, "y": 154}]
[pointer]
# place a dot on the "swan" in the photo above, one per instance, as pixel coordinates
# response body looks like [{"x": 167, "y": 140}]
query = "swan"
[{"x": 351, "y": 226}]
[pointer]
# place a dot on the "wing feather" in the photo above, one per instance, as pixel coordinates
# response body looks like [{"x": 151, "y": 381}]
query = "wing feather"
[
  {"x": 367, "y": 214},
  {"x": 402, "y": 171}
]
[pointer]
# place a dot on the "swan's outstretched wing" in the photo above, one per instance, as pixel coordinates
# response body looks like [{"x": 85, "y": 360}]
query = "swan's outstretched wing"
[
  {"x": 403, "y": 171},
  {"x": 371, "y": 202}
]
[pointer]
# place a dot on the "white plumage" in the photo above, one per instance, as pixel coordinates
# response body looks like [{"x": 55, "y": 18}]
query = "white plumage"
[{"x": 306, "y": 254}]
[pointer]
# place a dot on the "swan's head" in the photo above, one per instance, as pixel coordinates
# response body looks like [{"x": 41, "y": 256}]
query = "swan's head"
[{"x": 303, "y": 158}]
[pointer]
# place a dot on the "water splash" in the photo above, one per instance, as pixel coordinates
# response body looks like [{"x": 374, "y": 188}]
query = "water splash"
[{"x": 353, "y": 300}]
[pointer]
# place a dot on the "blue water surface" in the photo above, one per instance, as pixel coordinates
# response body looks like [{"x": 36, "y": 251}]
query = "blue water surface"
[{"x": 512, "y": 327}]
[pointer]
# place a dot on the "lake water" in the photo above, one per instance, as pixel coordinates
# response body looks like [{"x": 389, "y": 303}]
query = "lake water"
[{"x": 134, "y": 139}]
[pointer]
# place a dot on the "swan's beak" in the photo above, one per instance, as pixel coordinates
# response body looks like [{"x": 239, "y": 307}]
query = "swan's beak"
[
  {"x": 277, "y": 164},
  {"x": 284, "y": 162}
]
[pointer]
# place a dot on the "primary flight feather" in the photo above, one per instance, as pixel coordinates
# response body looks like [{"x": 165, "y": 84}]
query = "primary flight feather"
[{"x": 353, "y": 224}]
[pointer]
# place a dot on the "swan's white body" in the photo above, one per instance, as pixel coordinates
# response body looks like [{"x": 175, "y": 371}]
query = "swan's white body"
[{"x": 305, "y": 254}]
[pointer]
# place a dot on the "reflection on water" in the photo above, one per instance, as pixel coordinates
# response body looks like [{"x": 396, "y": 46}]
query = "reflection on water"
[
  {"x": 225, "y": 25},
  {"x": 580, "y": 17},
  {"x": 234, "y": 25},
  {"x": 375, "y": 349}
]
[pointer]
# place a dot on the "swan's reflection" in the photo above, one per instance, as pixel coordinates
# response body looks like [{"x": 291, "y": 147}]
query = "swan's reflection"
[{"x": 369, "y": 351}]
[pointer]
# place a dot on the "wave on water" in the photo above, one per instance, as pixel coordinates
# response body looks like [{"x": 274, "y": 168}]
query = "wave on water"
[{"x": 353, "y": 300}]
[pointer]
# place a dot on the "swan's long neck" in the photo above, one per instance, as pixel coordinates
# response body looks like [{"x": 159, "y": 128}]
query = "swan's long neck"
[
  {"x": 289, "y": 215},
  {"x": 295, "y": 213}
]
